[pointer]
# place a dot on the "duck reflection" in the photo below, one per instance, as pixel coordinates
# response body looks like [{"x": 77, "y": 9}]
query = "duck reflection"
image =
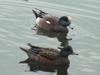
[
  {"x": 47, "y": 58},
  {"x": 35, "y": 66},
  {"x": 43, "y": 32},
  {"x": 61, "y": 37}
]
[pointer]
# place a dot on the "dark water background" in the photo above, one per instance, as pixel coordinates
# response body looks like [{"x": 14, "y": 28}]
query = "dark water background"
[{"x": 16, "y": 20}]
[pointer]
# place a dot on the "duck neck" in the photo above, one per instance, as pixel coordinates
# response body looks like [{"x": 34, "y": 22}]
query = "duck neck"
[
  {"x": 63, "y": 53},
  {"x": 63, "y": 57},
  {"x": 62, "y": 71}
]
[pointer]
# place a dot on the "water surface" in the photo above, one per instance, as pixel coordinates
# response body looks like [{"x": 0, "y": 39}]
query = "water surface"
[{"x": 16, "y": 20}]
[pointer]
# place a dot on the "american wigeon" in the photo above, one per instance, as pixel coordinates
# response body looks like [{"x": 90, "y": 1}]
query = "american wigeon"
[
  {"x": 49, "y": 56},
  {"x": 52, "y": 23}
]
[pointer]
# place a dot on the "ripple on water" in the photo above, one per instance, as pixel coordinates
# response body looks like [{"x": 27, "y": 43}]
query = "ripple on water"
[
  {"x": 4, "y": 51},
  {"x": 88, "y": 70},
  {"x": 15, "y": 23}
]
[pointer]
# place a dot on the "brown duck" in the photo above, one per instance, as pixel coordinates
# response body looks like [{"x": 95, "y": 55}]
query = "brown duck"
[
  {"x": 52, "y": 23},
  {"x": 49, "y": 56}
]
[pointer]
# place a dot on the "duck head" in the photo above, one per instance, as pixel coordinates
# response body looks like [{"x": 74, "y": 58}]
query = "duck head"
[
  {"x": 67, "y": 51},
  {"x": 65, "y": 21}
]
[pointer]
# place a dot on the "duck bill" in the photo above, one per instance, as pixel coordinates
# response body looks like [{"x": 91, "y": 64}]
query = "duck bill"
[
  {"x": 74, "y": 53},
  {"x": 69, "y": 17}
]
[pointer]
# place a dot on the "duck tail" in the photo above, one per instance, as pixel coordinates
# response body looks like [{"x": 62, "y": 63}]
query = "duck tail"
[
  {"x": 25, "y": 61},
  {"x": 41, "y": 11},
  {"x": 23, "y": 49},
  {"x": 32, "y": 46},
  {"x": 29, "y": 44},
  {"x": 35, "y": 13}
]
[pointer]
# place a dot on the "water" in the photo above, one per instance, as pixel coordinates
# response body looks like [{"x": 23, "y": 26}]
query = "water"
[{"x": 16, "y": 20}]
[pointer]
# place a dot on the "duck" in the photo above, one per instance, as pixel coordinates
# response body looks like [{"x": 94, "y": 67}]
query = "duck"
[
  {"x": 49, "y": 56},
  {"x": 52, "y": 23}
]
